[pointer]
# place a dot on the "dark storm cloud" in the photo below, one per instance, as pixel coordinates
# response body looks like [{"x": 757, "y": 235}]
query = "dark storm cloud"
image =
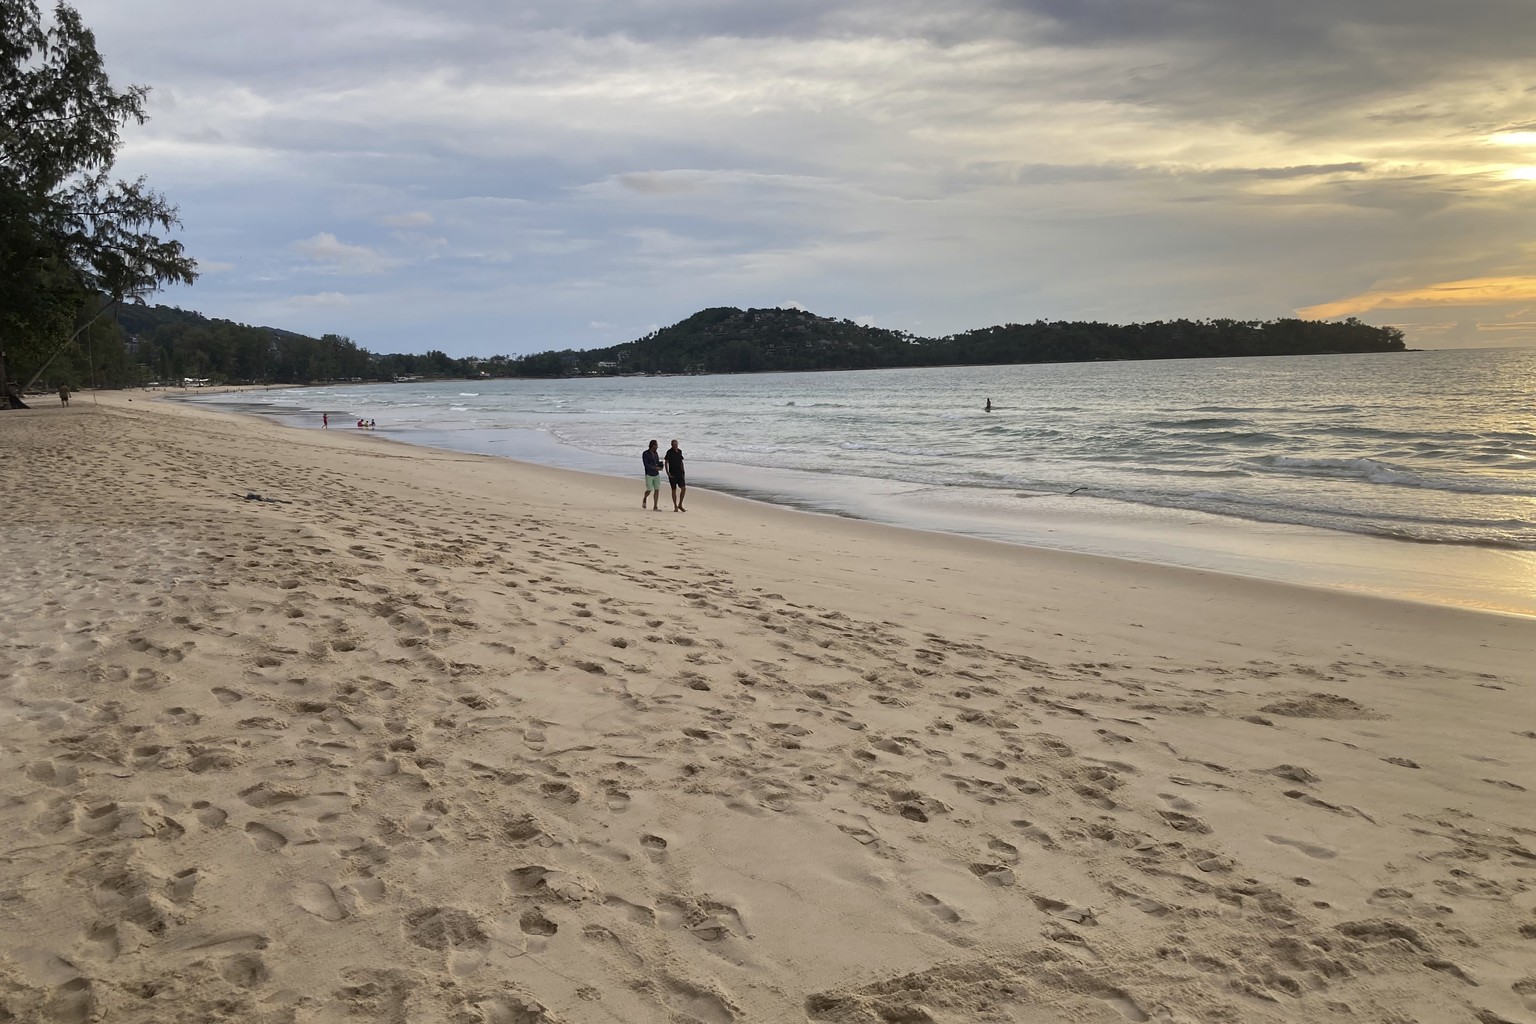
[
  {"x": 1484, "y": 29},
  {"x": 1286, "y": 66}
]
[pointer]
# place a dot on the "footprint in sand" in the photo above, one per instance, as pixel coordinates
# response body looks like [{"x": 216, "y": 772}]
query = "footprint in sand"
[
  {"x": 1184, "y": 822},
  {"x": 265, "y": 795},
  {"x": 103, "y": 941},
  {"x": 1034, "y": 833},
  {"x": 534, "y": 922},
  {"x": 1178, "y": 803},
  {"x": 1065, "y": 911},
  {"x": 602, "y": 851},
  {"x": 509, "y": 1009},
  {"x": 147, "y": 680},
  {"x": 368, "y": 889},
  {"x": 246, "y": 970},
  {"x": 938, "y": 908},
  {"x": 319, "y": 899},
  {"x": 445, "y": 928},
  {"x": 993, "y": 874},
  {"x": 208, "y": 815},
  {"x": 179, "y": 887},
  {"x": 1310, "y": 849},
  {"x": 529, "y": 878},
  {"x": 1312, "y": 801},
  {"x": 1146, "y": 904},
  {"x": 640, "y": 915},
  {"x": 693, "y": 1001},
  {"x": 53, "y": 773},
  {"x": 1121, "y": 1001},
  {"x": 181, "y": 716},
  {"x": 560, "y": 792},
  {"x": 265, "y": 838}
]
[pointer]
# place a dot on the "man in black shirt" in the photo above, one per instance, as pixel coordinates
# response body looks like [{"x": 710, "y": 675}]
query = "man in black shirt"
[{"x": 674, "y": 461}]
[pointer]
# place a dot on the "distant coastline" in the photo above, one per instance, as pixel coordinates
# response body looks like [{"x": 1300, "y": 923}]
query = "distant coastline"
[
  {"x": 161, "y": 343},
  {"x": 731, "y": 340}
]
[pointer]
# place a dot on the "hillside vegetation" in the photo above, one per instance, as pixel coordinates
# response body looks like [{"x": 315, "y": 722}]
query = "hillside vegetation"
[
  {"x": 729, "y": 340},
  {"x": 145, "y": 344}
]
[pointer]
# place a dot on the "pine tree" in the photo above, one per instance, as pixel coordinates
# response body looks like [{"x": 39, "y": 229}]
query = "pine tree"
[{"x": 67, "y": 229}]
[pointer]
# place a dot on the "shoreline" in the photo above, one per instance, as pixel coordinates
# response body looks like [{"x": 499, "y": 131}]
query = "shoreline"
[
  {"x": 444, "y": 737},
  {"x": 1483, "y": 578}
]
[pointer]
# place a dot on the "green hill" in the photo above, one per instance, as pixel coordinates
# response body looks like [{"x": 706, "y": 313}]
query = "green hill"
[
  {"x": 730, "y": 340},
  {"x": 139, "y": 344}
]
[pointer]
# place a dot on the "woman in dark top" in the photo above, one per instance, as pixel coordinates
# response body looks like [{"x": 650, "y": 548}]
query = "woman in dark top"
[{"x": 650, "y": 459}]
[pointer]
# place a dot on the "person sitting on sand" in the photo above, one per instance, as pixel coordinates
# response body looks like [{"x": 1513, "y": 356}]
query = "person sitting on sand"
[
  {"x": 650, "y": 461},
  {"x": 674, "y": 461}
]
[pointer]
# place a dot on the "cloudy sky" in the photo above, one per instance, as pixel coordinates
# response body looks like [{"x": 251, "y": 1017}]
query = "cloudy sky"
[{"x": 483, "y": 177}]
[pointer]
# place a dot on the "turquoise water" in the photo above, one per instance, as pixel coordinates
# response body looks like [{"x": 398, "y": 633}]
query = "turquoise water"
[{"x": 1435, "y": 448}]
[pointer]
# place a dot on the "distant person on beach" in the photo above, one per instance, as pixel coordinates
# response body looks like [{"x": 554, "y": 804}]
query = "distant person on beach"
[
  {"x": 63, "y": 394},
  {"x": 674, "y": 461},
  {"x": 989, "y": 405},
  {"x": 325, "y": 421},
  {"x": 650, "y": 459},
  {"x": 372, "y": 424}
]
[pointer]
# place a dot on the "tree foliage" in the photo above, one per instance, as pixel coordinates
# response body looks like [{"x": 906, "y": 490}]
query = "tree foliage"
[
  {"x": 165, "y": 344},
  {"x": 70, "y": 232}
]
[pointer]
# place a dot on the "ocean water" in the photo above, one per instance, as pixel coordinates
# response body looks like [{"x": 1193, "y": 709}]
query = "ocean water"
[{"x": 1194, "y": 462}]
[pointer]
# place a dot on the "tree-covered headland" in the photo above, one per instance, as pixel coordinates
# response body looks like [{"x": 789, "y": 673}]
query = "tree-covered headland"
[
  {"x": 729, "y": 340},
  {"x": 160, "y": 344}
]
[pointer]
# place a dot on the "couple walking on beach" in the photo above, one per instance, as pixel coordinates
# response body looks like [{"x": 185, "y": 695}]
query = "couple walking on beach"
[{"x": 674, "y": 463}]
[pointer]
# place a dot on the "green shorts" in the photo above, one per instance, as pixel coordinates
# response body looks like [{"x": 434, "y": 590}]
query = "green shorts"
[{"x": 653, "y": 483}]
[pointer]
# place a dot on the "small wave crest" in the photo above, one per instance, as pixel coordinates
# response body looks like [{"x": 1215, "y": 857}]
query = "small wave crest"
[
  {"x": 755, "y": 449},
  {"x": 1377, "y": 472},
  {"x": 860, "y": 446},
  {"x": 1215, "y": 438},
  {"x": 1199, "y": 421}
]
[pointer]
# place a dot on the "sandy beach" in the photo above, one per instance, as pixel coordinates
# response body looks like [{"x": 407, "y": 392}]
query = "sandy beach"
[{"x": 430, "y": 737}]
